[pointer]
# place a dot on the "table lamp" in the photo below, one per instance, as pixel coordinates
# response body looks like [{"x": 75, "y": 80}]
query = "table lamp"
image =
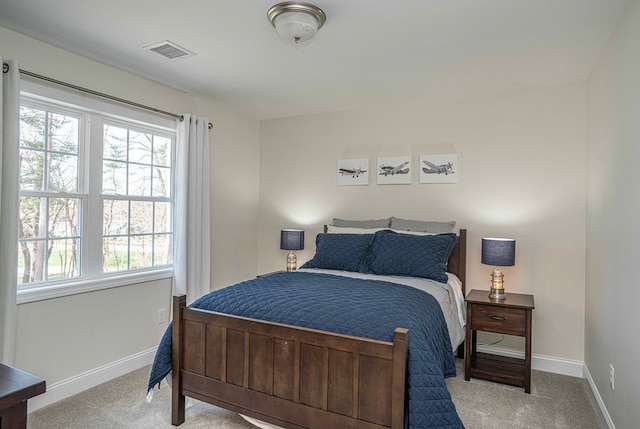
[
  {"x": 499, "y": 252},
  {"x": 291, "y": 239}
]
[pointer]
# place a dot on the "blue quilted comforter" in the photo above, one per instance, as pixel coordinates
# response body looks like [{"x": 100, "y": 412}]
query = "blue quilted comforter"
[{"x": 364, "y": 308}]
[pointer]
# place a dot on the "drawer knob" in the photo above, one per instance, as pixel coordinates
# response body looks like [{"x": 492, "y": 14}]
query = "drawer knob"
[{"x": 498, "y": 317}]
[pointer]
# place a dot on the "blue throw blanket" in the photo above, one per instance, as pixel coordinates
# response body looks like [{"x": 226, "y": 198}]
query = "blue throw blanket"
[{"x": 363, "y": 308}]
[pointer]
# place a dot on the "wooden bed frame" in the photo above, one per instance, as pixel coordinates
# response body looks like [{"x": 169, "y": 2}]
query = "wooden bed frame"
[{"x": 292, "y": 377}]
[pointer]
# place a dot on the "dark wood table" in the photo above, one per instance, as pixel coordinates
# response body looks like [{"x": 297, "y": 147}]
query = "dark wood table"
[{"x": 16, "y": 387}]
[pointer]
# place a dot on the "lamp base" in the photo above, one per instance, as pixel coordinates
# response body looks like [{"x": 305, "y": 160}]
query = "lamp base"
[
  {"x": 291, "y": 262},
  {"x": 497, "y": 294}
]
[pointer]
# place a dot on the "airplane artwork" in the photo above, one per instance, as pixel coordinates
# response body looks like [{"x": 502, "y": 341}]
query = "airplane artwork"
[
  {"x": 394, "y": 170},
  {"x": 353, "y": 172},
  {"x": 386, "y": 170},
  {"x": 350, "y": 172},
  {"x": 438, "y": 169}
]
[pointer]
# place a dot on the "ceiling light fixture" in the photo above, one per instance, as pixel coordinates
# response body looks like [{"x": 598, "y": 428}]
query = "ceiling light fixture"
[{"x": 296, "y": 23}]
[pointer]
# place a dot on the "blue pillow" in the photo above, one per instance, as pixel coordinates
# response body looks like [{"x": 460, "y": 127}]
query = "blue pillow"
[
  {"x": 424, "y": 256},
  {"x": 340, "y": 251}
]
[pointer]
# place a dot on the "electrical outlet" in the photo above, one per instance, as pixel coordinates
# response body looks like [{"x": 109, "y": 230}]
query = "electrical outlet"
[
  {"x": 162, "y": 316},
  {"x": 611, "y": 377}
]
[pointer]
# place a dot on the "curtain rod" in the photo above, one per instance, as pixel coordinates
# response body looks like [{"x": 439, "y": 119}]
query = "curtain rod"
[{"x": 5, "y": 69}]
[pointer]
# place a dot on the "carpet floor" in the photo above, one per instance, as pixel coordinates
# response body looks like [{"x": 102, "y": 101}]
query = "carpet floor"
[{"x": 556, "y": 402}]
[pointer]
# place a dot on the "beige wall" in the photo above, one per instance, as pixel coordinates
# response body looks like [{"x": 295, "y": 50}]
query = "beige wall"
[
  {"x": 61, "y": 338},
  {"x": 521, "y": 174},
  {"x": 613, "y": 227}
]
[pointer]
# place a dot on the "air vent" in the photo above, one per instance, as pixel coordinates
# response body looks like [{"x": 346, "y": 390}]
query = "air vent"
[{"x": 170, "y": 50}]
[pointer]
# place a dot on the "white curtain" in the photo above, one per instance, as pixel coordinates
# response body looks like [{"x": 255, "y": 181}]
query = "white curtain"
[
  {"x": 192, "y": 253},
  {"x": 9, "y": 185}
]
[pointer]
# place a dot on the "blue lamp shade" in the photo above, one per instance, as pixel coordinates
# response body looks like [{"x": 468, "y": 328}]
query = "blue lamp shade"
[
  {"x": 292, "y": 239},
  {"x": 499, "y": 252}
]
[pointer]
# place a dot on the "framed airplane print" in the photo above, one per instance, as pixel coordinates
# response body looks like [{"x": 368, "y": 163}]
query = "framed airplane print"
[
  {"x": 353, "y": 172},
  {"x": 439, "y": 168},
  {"x": 394, "y": 170}
]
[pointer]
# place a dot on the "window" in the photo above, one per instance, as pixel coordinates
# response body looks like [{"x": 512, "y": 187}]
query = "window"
[
  {"x": 50, "y": 199},
  {"x": 136, "y": 203},
  {"x": 96, "y": 195}
]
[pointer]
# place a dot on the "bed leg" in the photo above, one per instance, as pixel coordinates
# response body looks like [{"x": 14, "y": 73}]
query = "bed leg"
[
  {"x": 177, "y": 408},
  {"x": 177, "y": 398},
  {"x": 400, "y": 350},
  {"x": 460, "y": 353}
]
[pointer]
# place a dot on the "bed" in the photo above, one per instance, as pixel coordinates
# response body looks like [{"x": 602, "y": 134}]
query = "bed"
[{"x": 323, "y": 347}]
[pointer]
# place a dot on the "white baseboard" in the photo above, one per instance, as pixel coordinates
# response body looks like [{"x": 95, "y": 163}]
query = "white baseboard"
[
  {"x": 81, "y": 382},
  {"x": 557, "y": 365},
  {"x": 599, "y": 401},
  {"x": 544, "y": 363}
]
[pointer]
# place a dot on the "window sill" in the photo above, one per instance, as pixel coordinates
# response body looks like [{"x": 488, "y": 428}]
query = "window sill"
[{"x": 43, "y": 292}]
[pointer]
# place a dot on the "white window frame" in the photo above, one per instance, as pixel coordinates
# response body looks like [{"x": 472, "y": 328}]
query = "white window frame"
[{"x": 92, "y": 278}]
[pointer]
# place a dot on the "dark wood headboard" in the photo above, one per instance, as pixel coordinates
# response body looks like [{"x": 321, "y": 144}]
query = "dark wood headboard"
[
  {"x": 457, "y": 263},
  {"x": 458, "y": 260}
]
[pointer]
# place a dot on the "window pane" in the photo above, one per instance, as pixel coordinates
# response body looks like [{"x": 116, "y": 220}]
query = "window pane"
[
  {"x": 162, "y": 249},
  {"x": 115, "y": 215},
  {"x": 114, "y": 178},
  {"x": 141, "y": 251},
  {"x": 31, "y": 211},
  {"x": 161, "y": 182},
  {"x": 140, "y": 147},
  {"x": 24, "y": 263},
  {"x": 63, "y": 217},
  {"x": 141, "y": 217},
  {"x": 139, "y": 180},
  {"x": 32, "y": 261},
  {"x": 31, "y": 170},
  {"x": 63, "y": 130},
  {"x": 63, "y": 173},
  {"x": 32, "y": 128},
  {"x": 162, "y": 218},
  {"x": 63, "y": 260},
  {"x": 115, "y": 143},
  {"x": 115, "y": 251},
  {"x": 162, "y": 151}
]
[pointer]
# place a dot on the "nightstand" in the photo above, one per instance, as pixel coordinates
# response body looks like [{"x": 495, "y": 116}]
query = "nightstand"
[
  {"x": 16, "y": 387},
  {"x": 510, "y": 316}
]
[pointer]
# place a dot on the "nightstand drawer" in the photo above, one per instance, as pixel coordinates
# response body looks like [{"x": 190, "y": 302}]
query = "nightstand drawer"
[{"x": 509, "y": 321}]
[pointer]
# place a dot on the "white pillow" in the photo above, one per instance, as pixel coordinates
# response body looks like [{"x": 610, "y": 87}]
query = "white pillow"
[
  {"x": 331, "y": 229},
  {"x": 401, "y": 231}
]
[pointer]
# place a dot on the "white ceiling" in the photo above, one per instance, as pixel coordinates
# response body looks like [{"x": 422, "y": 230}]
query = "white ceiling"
[{"x": 369, "y": 53}]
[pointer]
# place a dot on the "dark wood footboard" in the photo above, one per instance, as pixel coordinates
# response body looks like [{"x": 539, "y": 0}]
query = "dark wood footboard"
[{"x": 285, "y": 375}]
